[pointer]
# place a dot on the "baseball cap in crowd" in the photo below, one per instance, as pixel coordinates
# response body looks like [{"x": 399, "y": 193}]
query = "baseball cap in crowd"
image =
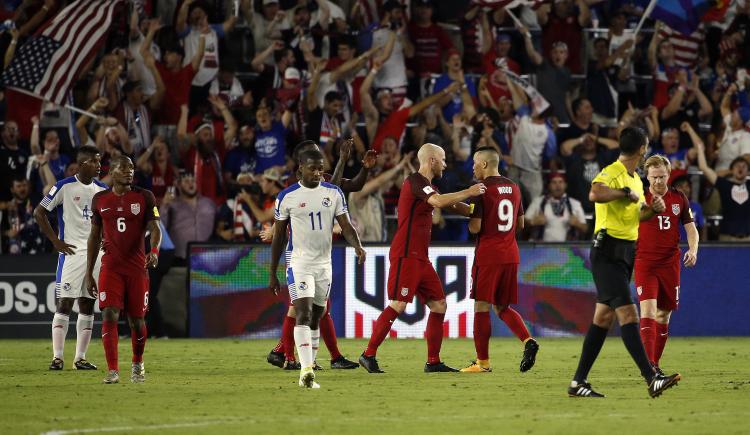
[
  {"x": 184, "y": 173},
  {"x": 744, "y": 113},
  {"x": 559, "y": 44},
  {"x": 292, "y": 74},
  {"x": 201, "y": 126},
  {"x": 452, "y": 52},
  {"x": 271, "y": 174}
]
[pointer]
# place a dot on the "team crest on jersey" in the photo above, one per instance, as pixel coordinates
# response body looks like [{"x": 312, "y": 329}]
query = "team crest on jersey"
[
  {"x": 135, "y": 208},
  {"x": 303, "y": 286},
  {"x": 676, "y": 209},
  {"x": 326, "y": 202},
  {"x": 102, "y": 296},
  {"x": 639, "y": 289},
  {"x": 404, "y": 291},
  {"x": 66, "y": 287}
]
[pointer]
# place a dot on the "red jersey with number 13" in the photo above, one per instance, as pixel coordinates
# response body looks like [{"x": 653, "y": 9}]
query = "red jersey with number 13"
[
  {"x": 124, "y": 219},
  {"x": 659, "y": 237},
  {"x": 499, "y": 208},
  {"x": 414, "y": 230}
]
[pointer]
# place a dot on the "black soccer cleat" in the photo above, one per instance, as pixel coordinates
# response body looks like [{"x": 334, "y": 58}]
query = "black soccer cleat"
[
  {"x": 84, "y": 364},
  {"x": 370, "y": 364},
  {"x": 660, "y": 383},
  {"x": 276, "y": 359},
  {"x": 57, "y": 364},
  {"x": 343, "y": 363},
  {"x": 439, "y": 368},
  {"x": 317, "y": 366},
  {"x": 292, "y": 365},
  {"x": 583, "y": 390},
  {"x": 529, "y": 355},
  {"x": 658, "y": 370}
]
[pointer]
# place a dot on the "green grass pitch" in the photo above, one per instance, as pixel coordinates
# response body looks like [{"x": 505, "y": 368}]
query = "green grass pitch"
[{"x": 226, "y": 386}]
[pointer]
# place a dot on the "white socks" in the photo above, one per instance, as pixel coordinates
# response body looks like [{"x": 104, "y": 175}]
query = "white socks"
[
  {"x": 315, "y": 341},
  {"x": 84, "y": 326},
  {"x": 303, "y": 340},
  {"x": 59, "y": 331}
]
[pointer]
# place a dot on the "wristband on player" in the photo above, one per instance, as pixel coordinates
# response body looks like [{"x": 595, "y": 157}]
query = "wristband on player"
[
  {"x": 155, "y": 250},
  {"x": 626, "y": 190}
]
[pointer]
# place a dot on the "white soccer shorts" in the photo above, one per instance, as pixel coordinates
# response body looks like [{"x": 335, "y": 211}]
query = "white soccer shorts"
[
  {"x": 70, "y": 280},
  {"x": 307, "y": 281}
]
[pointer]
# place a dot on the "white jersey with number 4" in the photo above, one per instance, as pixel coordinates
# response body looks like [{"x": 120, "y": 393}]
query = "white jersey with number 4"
[
  {"x": 72, "y": 201},
  {"x": 311, "y": 213}
]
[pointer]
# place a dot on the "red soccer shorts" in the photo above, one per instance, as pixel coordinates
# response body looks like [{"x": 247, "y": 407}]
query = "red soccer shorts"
[
  {"x": 127, "y": 290},
  {"x": 660, "y": 281},
  {"x": 409, "y": 276},
  {"x": 496, "y": 283}
]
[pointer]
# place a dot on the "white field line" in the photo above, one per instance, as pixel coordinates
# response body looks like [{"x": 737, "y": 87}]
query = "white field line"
[{"x": 139, "y": 428}]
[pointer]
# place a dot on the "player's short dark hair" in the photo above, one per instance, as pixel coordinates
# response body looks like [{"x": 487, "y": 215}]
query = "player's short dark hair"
[
  {"x": 631, "y": 140},
  {"x": 311, "y": 154},
  {"x": 304, "y": 146},
  {"x": 333, "y": 96},
  {"x": 86, "y": 152},
  {"x": 487, "y": 149}
]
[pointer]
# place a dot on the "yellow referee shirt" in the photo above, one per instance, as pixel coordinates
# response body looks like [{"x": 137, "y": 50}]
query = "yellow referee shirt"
[{"x": 619, "y": 217}]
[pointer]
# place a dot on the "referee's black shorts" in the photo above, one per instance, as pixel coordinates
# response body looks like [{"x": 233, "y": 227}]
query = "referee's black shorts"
[{"x": 612, "y": 262}]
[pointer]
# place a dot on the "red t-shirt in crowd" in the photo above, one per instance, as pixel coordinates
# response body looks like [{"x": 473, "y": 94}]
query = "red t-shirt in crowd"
[
  {"x": 659, "y": 237},
  {"x": 124, "y": 220},
  {"x": 414, "y": 230},
  {"x": 499, "y": 208},
  {"x": 393, "y": 125},
  {"x": 177, "y": 93},
  {"x": 430, "y": 43}
]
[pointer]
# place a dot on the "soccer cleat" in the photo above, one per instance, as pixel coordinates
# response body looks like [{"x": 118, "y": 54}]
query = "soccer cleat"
[
  {"x": 83, "y": 364},
  {"x": 138, "y": 373},
  {"x": 343, "y": 363},
  {"x": 291, "y": 364},
  {"x": 307, "y": 378},
  {"x": 276, "y": 359},
  {"x": 529, "y": 355},
  {"x": 439, "y": 368},
  {"x": 660, "y": 383},
  {"x": 583, "y": 390},
  {"x": 316, "y": 366},
  {"x": 370, "y": 364},
  {"x": 113, "y": 377},
  {"x": 476, "y": 367},
  {"x": 658, "y": 370},
  {"x": 57, "y": 364}
]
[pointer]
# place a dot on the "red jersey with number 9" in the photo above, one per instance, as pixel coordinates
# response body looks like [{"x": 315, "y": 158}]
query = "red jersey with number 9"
[
  {"x": 124, "y": 220},
  {"x": 499, "y": 208},
  {"x": 659, "y": 237}
]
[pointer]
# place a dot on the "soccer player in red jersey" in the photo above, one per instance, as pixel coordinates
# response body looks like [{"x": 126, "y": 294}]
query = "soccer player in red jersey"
[
  {"x": 123, "y": 215},
  {"x": 496, "y": 216},
  {"x": 657, "y": 258},
  {"x": 411, "y": 271}
]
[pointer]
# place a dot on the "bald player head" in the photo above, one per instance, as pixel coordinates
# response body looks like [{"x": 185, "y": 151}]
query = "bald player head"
[
  {"x": 486, "y": 163},
  {"x": 431, "y": 158},
  {"x": 122, "y": 170}
]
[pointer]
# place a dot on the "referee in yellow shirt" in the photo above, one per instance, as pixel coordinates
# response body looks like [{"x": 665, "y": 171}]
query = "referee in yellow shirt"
[{"x": 620, "y": 206}]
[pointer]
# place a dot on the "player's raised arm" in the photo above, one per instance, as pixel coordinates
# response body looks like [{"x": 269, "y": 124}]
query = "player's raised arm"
[
  {"x": 351, "y": 236},
  {"x": 277, "y": 245}
]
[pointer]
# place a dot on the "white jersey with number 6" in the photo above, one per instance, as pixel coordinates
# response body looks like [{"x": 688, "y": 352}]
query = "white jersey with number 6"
[{"x": 311, "y": 214}]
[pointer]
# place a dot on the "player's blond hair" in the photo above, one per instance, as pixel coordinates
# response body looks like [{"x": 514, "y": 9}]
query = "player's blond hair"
[
  {"x": 426, "y": 151},
  {"x": 657, "y": 160}
]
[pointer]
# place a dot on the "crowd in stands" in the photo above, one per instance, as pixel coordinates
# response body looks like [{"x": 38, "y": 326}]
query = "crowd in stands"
[{"x": 210, "y": 97}]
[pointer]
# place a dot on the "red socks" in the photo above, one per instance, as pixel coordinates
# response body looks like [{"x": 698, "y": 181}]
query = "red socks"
[
  {"x": 382, "y": 327},
  {"x": 662, "y": 333},
  {"x": 138, "y": 340},
  {"x": 434, "y": 335},
  {"x": 287, "y": 337},
  {"x": 280, "y": 345},
  {"x": 482, "y": 333},
  {"x": 648, "y": 336},
  {"x": 515, "y": 323},
  {"x": 328, "y": 333},
  {"x": 109, "y": 340}
]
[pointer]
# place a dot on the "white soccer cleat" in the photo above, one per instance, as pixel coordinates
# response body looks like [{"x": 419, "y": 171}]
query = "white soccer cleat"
[
  {"x": 138, "y": 373},
  {"x": 307, "y": 378},
  {"x": 113, "y": 377}
]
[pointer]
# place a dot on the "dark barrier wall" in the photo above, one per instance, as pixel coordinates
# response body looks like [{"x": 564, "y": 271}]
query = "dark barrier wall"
[{"x": 228, "y": 295}]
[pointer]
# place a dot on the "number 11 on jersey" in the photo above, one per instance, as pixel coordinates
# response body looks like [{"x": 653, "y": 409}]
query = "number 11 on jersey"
[{"x": 312, "y": 220}]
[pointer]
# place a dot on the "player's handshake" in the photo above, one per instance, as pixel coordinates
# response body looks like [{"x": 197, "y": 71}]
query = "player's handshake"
[{"x": 477, "y": 189}]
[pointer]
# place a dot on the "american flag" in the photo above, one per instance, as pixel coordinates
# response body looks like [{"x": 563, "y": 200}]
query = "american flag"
[{"x": 49, "y": 63}]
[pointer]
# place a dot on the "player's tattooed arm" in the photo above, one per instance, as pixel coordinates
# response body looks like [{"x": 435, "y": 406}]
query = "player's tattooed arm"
[
  {"x": 152, "y": 258},
  {"x": 94, "y": 243},
  {"x": 351, "y": 236},
  {"x": 277, "y": 245}
]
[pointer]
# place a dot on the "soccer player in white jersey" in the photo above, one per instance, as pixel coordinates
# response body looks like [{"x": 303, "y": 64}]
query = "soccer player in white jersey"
[
  {"x": 310, "y": 208},
  {"x": 71, "y": 199}
]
